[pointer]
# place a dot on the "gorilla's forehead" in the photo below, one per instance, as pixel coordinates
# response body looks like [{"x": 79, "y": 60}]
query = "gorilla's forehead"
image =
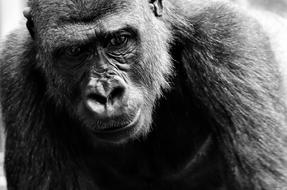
[
  {"x": 79, "y": 20},
  {"x": 82, "y": 10}
]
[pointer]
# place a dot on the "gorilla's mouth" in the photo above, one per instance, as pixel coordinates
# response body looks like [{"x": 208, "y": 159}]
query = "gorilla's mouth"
[{"x": 119, "y": 131}]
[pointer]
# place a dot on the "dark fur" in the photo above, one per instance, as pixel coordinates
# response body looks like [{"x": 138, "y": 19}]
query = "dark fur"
[{"x": 225, "y": 91}]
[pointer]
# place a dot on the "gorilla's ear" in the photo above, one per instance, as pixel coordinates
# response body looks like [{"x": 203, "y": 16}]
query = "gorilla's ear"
[
  {"x": 157, "y": 7},
  {"x": 29, "y": 23}
]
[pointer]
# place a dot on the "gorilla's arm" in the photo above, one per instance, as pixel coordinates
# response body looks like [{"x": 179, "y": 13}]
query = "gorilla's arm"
[{"x": 233, "y": 72}]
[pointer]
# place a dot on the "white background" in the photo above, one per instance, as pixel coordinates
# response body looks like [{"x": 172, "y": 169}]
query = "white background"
[{"x": 10, "y": 14}]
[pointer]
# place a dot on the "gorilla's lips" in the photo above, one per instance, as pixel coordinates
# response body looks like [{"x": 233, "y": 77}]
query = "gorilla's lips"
[{"x": 120, "y": 131}]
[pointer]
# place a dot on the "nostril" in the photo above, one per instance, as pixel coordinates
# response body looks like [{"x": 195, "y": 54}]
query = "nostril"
[
  {"x": 98, "y": 98},
  {"x": 116, "y": 93}
]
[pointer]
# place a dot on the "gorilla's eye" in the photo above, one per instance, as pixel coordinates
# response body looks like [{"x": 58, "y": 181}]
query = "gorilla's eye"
[
  {"x": 74, "y": 51},
  {"x": 118, "y": 40}
]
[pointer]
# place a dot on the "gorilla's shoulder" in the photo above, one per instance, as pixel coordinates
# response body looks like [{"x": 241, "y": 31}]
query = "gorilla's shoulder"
[
  {"x": 15, "y": 46},
  {"x": 15, "y": 43},
  {"x": 17, "y": 49}
]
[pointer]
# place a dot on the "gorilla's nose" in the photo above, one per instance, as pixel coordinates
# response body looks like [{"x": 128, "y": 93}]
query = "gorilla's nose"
[{"x": 105, "y": 97}]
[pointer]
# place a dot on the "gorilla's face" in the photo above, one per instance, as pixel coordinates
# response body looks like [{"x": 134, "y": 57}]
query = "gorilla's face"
[{"x": 109, "y": 63}]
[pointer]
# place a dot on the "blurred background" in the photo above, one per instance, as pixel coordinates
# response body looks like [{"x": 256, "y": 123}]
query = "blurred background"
[
  {"x": 11, "y": 13},
  {"x": 276, "y": 6}
]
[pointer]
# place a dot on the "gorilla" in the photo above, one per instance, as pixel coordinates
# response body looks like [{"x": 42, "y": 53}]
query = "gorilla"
[{"x": 145, "y": 95}]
